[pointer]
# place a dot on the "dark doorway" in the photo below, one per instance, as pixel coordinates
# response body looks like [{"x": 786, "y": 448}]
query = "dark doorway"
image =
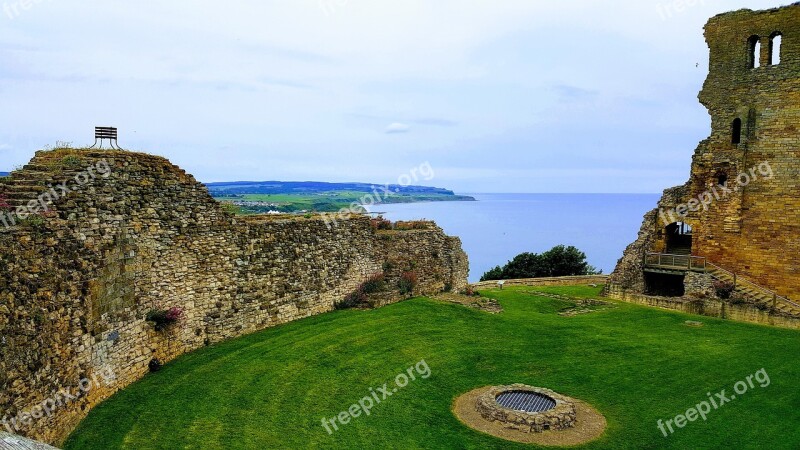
[
  {"x": 664, "y": 285},
  {"x": 678, "y": 238}
]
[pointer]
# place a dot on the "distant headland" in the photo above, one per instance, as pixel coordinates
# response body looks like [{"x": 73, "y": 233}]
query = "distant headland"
[{"x": 253, "y": 197}]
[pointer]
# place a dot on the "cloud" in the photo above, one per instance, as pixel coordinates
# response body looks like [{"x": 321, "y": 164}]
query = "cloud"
[{"x": 397, "y": 128}]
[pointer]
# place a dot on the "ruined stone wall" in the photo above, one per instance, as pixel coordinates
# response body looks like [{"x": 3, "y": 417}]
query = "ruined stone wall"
[
  {"x": 77, "y": 281},
  {"x": 754, "y": 229},
  {"x": 710, "y": 307}
]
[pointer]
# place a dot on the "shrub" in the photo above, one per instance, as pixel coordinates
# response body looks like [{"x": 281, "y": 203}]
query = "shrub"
[
  {"x": 379, "y": 223},
  {"x": 359, "y": 297},
  {"x": 559, "y": 261},
  {"x": 764, "y": 307},
  {"x": 154, "y": 365},
  {"x": 4, "y": 206},
  {"x": 35, "y": 221},
  {"x": 724, "y": 289},
  {"x": 375, "y": 283},
  {"x": 353, "y": 299},
  {"x": 407, "y": 283},
  {"x": 71, "y": 161},
  {"x": 737, "y": 300},
  {"x": 164, "y": 318},
  {"x": 412, "y": 225}
]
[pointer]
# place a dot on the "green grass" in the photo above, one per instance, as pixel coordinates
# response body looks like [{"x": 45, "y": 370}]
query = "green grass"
[{"x": 634, "y": 364}]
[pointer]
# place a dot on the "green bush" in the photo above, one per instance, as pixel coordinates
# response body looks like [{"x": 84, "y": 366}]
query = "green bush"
[
  {"x": 559, "y": 261},
  {"x": 35, "y": 221}
]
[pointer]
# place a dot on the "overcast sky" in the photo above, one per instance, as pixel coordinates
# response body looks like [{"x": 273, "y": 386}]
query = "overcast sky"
[{"x": 497, "y": 95}]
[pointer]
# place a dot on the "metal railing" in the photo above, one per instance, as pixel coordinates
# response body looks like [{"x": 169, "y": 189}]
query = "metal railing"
[
  {"x": 737, "y": 281},
  {"x": 697, "y": 263},
  {"x": 680, "y": 262}
]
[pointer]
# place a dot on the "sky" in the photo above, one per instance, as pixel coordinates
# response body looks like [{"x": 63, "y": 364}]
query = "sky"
[{"x": 497, "y": 96}]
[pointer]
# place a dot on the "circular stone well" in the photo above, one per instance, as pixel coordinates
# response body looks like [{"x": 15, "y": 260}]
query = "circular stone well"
[{"x": 526, "y": 408}]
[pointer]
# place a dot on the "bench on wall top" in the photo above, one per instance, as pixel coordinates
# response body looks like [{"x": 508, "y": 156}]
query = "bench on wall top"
[{"x": 102, "y": 134}]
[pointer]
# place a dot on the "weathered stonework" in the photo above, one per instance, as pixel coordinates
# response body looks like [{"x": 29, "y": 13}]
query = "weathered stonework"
[
  {"x": 76, "y": 284},
  {"x": 754, "y": 230},
  {"x": 560, "y": 417},
  {"x": 699, "y": 285},
  {"x": 711, "y": 307}
]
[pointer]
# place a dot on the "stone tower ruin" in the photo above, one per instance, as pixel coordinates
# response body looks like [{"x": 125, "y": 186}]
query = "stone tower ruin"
[{"x": 737, "y": 219}]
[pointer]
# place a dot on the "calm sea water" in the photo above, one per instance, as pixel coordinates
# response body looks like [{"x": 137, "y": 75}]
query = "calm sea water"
[{"x": 500, "y": 226}]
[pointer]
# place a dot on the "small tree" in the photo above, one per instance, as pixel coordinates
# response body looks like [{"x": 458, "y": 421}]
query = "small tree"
[
  {"x": 559, "y": 261},
  {"x": 564, "y": 261},
  {"x": 493, "y": 274}
]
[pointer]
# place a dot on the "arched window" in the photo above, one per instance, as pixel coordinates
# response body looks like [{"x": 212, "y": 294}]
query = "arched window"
[
  {"x": 722, "y": 178},
  {"x": 736, "y": 131},
  {"x": 775, "y": 48},
  {"x": 755, "y": 51}
]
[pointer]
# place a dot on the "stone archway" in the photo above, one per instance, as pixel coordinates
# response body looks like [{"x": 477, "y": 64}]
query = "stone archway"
[{"x": 678, "y": 238}]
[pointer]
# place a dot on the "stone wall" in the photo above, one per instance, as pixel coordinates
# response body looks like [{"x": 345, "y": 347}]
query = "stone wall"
[
  {"x": 754, "y": 228},
  {"x": 708, "y": 307},
  {"x": 77, "y": 280},
  {"x": 547, "y": 281}
]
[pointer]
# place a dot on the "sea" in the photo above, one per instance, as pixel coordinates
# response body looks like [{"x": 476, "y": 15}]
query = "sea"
[{"x": 497, "y": 227}]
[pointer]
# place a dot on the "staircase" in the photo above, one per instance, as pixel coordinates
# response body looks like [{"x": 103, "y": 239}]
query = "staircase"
[
  {"x": 753, "y": 291},
  {"x": 30, "y": 182},
  {"x": 680, "y": 263}
]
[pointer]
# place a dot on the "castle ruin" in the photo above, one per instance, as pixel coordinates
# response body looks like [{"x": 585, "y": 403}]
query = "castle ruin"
[
  {"x": 737, "y": 219},
  {"x": 128, "y": 233}
]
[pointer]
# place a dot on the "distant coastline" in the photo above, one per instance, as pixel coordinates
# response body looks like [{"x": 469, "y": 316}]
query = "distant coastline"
[{"x": 259, "y": 197}]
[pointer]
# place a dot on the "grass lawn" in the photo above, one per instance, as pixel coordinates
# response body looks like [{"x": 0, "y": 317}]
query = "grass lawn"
[{"x": 634, "y": 364}]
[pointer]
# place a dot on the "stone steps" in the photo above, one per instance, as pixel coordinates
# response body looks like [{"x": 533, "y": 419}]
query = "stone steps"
[{"x": 758, "y": 295}]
